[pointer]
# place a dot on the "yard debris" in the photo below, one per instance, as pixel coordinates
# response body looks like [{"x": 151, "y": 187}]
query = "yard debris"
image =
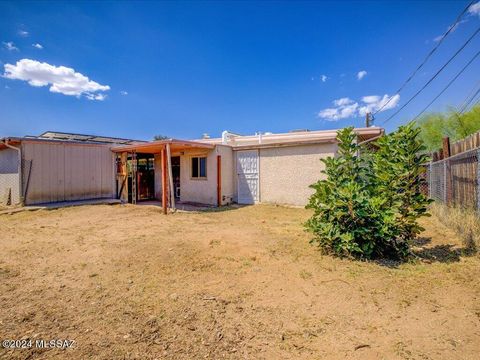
[
  {"x": 361, "y": 346},
  {"x": 332, "y": 280}
]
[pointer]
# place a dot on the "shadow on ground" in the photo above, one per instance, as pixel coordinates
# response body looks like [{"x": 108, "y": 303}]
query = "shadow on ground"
[
  {"x": 424, "y": 252},
  {"x": 445, "y": 253}
]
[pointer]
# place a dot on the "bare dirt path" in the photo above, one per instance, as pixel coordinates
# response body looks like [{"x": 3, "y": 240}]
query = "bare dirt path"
[{"x": 126, "y": 282}]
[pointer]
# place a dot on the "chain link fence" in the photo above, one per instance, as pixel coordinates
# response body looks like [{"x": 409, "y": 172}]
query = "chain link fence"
[{"x": 455, "y": 181}]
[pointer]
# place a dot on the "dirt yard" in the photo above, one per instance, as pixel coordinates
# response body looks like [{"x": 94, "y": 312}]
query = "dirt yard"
[{"x": 126, "y": 282}]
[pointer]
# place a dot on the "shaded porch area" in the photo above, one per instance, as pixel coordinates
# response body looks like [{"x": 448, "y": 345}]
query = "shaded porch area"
[{"x": 150, "y": 173}]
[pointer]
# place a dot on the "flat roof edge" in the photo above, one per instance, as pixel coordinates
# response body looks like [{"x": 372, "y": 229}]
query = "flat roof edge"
[
  {"x": 72, "y": 142},
  {"x": 283, "y": 144}
]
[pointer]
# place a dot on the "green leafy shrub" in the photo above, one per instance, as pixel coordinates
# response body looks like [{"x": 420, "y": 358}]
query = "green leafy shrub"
[{"x": 368, "y": 205}]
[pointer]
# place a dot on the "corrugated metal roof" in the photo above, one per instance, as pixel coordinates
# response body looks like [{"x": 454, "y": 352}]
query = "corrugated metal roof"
[
  {"x": 71, "y": 138},
  {"x": 57, "y": 135}
]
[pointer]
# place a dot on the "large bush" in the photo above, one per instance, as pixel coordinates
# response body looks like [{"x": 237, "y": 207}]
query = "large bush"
[{"x": 369, "y": 203}]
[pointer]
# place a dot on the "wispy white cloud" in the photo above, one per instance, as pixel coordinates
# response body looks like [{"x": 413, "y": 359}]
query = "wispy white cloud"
[
  {"x": 23, "y": 33},
  {"x": 99, "y": 97},
  {"x": 322, "y": 78},
  {"x": 346, "y": 108},
  {"x": 361, "y": 74},
  {"x": 61, "y": 79},
  {"x": 474, "y": 9},
  {"x": 10, "y": 46},
  {"x": 123, "y": 92},
  {"x": 374, "y": 103},
  {"x": 343, "y": 101},
  {"x": 451, "y": 28},
  {"x": 38, "y": 46}
]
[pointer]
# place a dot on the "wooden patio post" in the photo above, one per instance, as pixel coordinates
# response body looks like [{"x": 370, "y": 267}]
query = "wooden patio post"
[
  {"x": 164, "y": 180},
  {"x": 123, "y": 177},
  {"x": 134, "y": 177},
  {"x": 170, "y": 178}
]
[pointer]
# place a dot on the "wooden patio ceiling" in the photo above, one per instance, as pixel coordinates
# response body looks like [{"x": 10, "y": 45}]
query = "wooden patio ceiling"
[{"x": 156, "y": 147}]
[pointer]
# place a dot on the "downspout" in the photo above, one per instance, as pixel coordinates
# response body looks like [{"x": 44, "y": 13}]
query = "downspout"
[{"x": 19, "y": 151}]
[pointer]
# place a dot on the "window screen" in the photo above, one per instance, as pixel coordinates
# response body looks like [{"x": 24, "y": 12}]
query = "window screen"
[{"x": 203, "y": 167}]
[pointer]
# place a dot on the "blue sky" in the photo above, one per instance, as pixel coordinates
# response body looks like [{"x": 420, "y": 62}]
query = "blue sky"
[{"x": 186, "y": 68}]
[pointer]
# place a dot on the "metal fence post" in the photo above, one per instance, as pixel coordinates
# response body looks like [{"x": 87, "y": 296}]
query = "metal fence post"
[
  {"x": 478, "y": 180},
  {"x": 429, "y": 177},
  {"x": 444, "y": 181}
]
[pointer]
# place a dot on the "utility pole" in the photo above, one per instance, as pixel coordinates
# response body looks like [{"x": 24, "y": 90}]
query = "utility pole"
[{"x": 369, "y": 119}]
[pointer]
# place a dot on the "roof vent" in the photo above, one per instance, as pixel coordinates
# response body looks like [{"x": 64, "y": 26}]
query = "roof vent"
[
  {"x": 299, "y": 130},
  {"x": 228, "y": 136},
  {"x": 205, "y": 136}
]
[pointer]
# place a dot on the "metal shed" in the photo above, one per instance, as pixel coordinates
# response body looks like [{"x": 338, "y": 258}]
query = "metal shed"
[{"x": 56, "y": 167}]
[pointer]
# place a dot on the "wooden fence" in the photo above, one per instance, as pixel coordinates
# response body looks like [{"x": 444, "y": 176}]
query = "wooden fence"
[
  {"x": 449, "y": 149},
  {"x": 454, "y": 173}
]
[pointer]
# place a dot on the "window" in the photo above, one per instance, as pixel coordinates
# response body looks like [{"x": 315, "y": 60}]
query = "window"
[{"x": 199, "y": 167}]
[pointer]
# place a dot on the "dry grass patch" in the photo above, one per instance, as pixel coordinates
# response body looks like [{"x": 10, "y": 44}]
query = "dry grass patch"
[
  {"x": 129, "y": 283},
  {"x": 465, "y": 222}
]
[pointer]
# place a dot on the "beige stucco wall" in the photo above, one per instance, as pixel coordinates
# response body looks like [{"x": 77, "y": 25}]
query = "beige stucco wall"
[
  {"x": 204, "y": 191},
  {"x": 287, "y": 172},
  {"x": 65, "y": 172}
]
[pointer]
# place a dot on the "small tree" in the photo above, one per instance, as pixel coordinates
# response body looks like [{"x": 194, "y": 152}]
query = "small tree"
[
  {"x": 160, "y": 137},
  {"x": 368, "y": 205}
]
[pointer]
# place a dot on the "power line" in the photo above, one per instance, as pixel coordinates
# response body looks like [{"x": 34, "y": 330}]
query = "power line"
[
  {"x": 469, "y": 100},
  {"x": 449, "y": 30},
  {"x": 434, "y": 76},
  {"x": 469, "y": 96},
  {"x": 472, "y": 99},
  {"x": 448, "y": 85},
  {"x": 476, "y": 103}
]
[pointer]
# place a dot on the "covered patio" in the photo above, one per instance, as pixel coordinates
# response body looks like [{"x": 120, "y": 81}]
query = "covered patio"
[{"x": 155, "y": 158}]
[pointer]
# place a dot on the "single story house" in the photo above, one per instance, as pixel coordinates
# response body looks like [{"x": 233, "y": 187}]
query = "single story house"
[{"x": 261, "y": 168}]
